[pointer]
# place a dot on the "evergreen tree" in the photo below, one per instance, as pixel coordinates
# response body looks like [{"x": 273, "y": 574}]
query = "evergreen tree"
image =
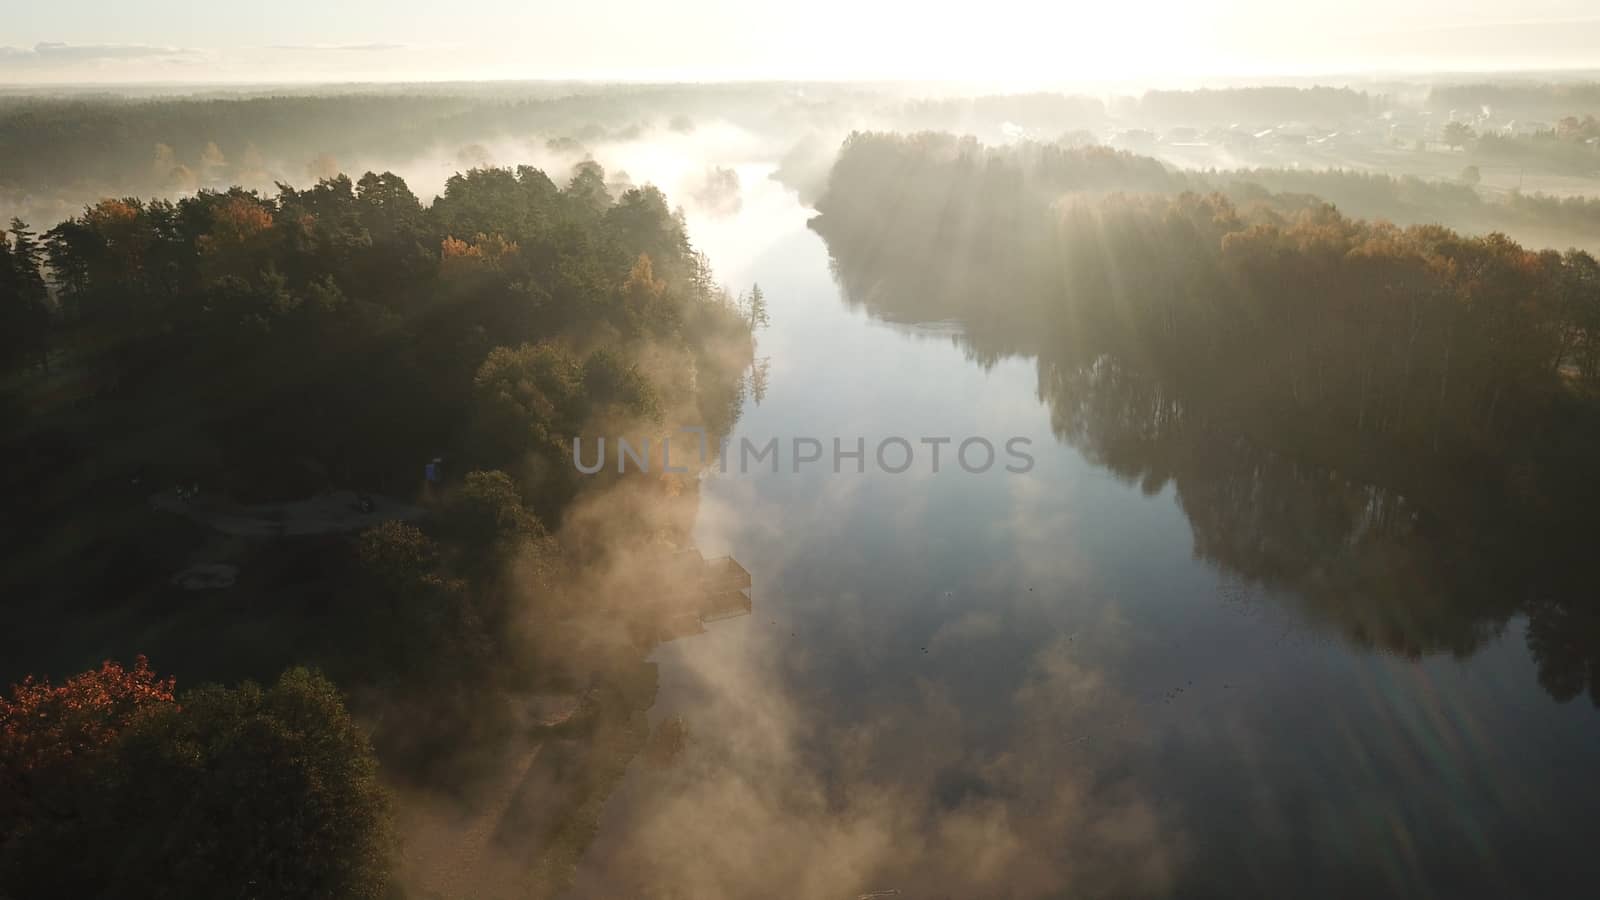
[{"x": 24, "y": 299}]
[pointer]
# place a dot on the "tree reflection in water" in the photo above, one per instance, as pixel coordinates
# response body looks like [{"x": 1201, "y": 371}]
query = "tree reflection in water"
[{"x": 1391, "y": 427}]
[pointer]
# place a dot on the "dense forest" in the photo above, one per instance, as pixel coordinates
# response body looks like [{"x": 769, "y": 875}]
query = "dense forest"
[
  {"x": 59, "y": 151},
  {"x": 339, "y": 337},
  {"x": 1331, "y": 105},
  {"x": 1070, "y": 165},
  {"x": 300, "y": 567},
  {"x": 1409, "y": 200},
  {"x": 179, "y": 317},
  {"x": 1347, "y": 408},
  {"x": 114, "y": 140},
  {"x": 1538, "y": 100}
]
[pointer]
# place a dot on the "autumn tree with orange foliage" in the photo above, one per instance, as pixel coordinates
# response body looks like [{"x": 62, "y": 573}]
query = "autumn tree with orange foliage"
[
  {"x": 645, "y": 302},
  {"x": 46, "y": 730},
  {"x": 1422, "y": 357},
  {"x": 234, "y": 223},
  {"x": 274, "y": 788},
  {"x": 485, "y": 249}
]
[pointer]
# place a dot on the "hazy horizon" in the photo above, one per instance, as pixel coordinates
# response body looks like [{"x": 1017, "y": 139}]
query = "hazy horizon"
[
  {"x": 568, "y": 451},
  {"x": 163, "y": 42}
]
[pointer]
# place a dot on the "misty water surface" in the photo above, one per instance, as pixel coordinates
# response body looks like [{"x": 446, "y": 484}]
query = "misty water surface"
[{"x": 963, "y": 685}]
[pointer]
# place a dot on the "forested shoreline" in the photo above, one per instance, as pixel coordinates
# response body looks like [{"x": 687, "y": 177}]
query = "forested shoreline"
[
  {"x": 191, "y": 309},
  {"x": 305, "y": 592},
  {"x": 57, "y": 151},
  {"x": 1406, "y": 200},
  {"x": 1347, "y": 408},
  {"x": 344, "y": 336}
]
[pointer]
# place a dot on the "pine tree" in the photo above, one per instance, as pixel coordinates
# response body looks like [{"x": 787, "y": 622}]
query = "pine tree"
[
  {"x": 24, "y": 298},
  {"x": 756, "y": 308},
  {"x": 10, "y": 308}
]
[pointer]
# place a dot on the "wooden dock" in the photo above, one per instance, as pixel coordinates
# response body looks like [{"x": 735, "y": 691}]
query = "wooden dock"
[{"x": 703, "y": 591}]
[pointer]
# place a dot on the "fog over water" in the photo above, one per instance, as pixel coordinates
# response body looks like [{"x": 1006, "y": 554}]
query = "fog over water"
[
  {"x": 1290, "y": 314},
  {"x": 1024, "y": 685}
]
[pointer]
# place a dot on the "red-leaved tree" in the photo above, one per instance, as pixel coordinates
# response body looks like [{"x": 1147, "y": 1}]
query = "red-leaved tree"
[{"x": 47, "y": 731}]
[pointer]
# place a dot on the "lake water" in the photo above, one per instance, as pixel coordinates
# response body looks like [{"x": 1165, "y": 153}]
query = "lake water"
[{"x": 998, "y": 685}]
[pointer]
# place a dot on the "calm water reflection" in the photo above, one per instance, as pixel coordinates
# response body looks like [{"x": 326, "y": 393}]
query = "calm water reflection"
[{"x": 1158, "y": 664}]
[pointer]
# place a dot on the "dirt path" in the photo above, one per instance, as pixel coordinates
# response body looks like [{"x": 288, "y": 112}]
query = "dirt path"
[{"x": 337, "y": 512}]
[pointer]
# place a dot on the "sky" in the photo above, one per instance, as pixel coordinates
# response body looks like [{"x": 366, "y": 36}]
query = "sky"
[{"x": 1021, "y": 41}]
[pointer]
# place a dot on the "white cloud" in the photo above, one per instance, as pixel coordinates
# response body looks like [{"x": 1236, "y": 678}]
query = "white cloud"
[
  {"x": 343, "y": 48},
  {"x": 47, "y": 53}
]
